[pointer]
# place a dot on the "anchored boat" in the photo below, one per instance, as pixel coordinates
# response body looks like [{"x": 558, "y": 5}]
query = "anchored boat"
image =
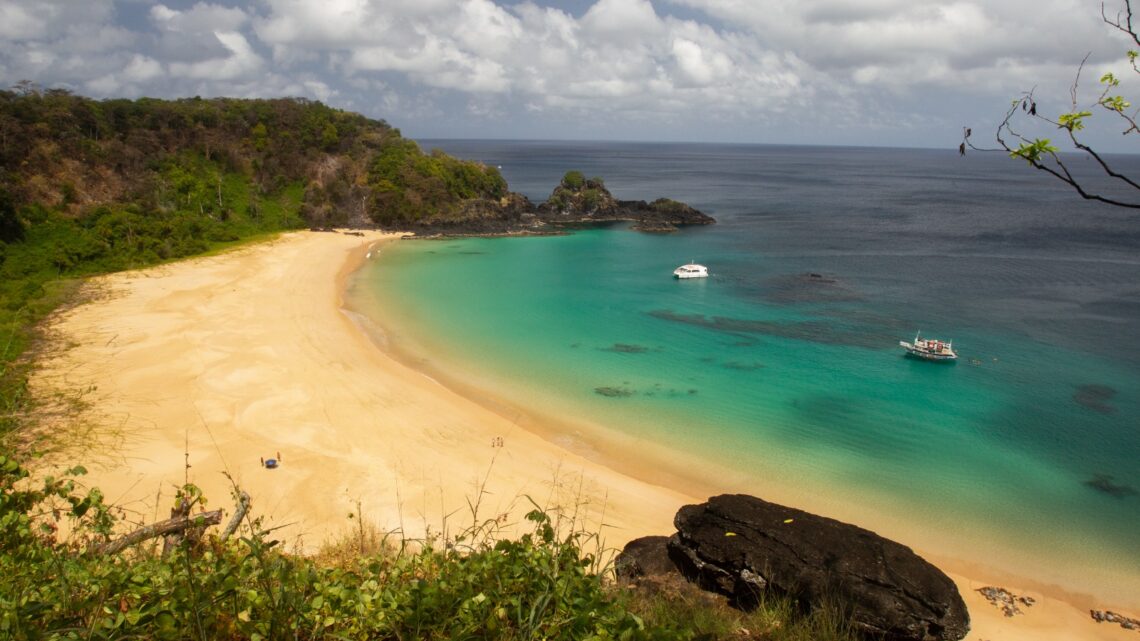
[
  {"x": 691, "y": 270},
  {"x": 930, "y": 349}
]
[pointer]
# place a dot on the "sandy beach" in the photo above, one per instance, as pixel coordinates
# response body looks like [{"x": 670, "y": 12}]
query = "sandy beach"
[{"x": 201, "y": 369}]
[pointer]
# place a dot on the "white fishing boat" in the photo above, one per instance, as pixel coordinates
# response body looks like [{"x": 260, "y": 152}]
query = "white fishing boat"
[
  {"x": 691, "y": 270},
  {"x": 930, "y": 349}
]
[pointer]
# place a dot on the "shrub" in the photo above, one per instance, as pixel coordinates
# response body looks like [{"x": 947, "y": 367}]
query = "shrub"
[{"x": 574, "y": 180}]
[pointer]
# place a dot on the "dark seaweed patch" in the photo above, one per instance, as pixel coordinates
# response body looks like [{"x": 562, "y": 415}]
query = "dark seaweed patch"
[
  {"x": 1095, "y": 398},
  {"x": 625, "y": 348},
  {"x": 743, "y": 367},
  {"x": 813, "y": 331},
  {"x": 809, "y": 287},
  {"x": 1106, "y": 484},
  {"x": 613, "y": 392}
]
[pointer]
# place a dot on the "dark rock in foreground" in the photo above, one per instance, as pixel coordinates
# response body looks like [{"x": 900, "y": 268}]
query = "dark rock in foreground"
[{"x": 741, "y": 546}]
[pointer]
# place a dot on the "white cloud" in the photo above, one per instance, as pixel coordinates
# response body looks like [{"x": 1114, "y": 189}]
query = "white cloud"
[
  {"x": 621, "y": 21},
  {"x": 739, "y": 62},
  {"x": 200, "y": 18},
  {"x": 142, "y": 69},
  {"x": 241, "y": 63},
  {"x": 20, "y": 22}
]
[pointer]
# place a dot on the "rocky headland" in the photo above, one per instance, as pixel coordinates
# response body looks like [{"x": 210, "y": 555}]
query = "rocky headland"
[{"x": 576, "y": 201}]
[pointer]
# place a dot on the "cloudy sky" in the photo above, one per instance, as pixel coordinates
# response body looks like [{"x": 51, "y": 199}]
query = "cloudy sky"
[{"x": 863, "y": 72}]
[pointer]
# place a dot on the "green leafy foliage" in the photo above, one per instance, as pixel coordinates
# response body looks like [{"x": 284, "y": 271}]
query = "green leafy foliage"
[
  {"x": 537, "y": 587},
  {"x": 408, "y": 186},
  {"x": 1033, "y": 151},
  {"x": 1073, "y": 121},
  {"x": 542, "y": 585},
  {"x": 574, "y": 180}
]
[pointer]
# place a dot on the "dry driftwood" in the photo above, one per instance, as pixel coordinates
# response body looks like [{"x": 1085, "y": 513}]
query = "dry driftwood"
[
  {"x": 239, "y": 514},
  {"x": 176, "y": 525}
]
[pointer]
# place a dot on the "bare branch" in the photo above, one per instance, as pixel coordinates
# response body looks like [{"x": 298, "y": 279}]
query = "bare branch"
[
  {"x": 1126, "y": 25},
  {"x": 239, "y": 514},
  {"x": 162, "y": 528}
]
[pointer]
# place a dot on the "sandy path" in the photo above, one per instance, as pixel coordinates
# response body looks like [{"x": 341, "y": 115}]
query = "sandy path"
[{"x": 248, "y": 355}]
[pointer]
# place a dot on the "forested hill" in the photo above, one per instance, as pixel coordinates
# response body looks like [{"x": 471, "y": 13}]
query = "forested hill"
[
  {"x": 212, "y": 166},
  {"x": 95, "y": 186}
]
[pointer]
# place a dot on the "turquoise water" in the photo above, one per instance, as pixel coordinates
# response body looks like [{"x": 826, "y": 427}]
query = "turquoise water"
[{"x": 777, "y": 379}]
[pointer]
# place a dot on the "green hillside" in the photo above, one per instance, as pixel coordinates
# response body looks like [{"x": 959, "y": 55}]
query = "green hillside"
[{"x": 92, "y": 186}]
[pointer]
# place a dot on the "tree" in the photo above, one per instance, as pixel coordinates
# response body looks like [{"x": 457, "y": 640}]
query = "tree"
[
  {"x": 1043, "y": 155},
  {"x": 11, "y": 227}
]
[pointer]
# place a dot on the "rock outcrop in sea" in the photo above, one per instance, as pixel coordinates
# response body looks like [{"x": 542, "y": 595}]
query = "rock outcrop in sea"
[
  {"x": 742, "y": 546},
  {"x": 575, "y": 202}
]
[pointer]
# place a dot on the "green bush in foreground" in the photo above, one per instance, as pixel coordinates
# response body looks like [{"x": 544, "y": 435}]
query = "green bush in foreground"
[{"x": 540, "y": 586}]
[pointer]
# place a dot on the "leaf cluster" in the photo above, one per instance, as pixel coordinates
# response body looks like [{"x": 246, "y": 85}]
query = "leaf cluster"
[
  {"x": 408, "y": 186},
  {"x": 1041, "y": 154}
]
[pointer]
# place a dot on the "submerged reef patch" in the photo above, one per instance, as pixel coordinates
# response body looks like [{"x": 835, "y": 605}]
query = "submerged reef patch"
[
  {"x": 812, "y": 331},
  {"x": 625, "y": 348},
  {"x": 809, "y": 287},
  {"x": 743, "y": 367},
  {"x": 1095, "y": 398},
  {"x": 1106, "y": 484},
  {"x": 613, "y": 392}
]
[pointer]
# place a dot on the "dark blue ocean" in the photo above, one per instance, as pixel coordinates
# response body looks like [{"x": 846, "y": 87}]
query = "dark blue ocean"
[{"x": 782, "y": 373}]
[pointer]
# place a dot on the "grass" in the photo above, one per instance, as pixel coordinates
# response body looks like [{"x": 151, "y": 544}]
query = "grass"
[{"x": 371, "y": 584}]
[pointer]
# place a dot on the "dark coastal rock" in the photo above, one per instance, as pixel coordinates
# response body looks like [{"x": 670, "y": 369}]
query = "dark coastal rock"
[
  {"x": 645, "y": 565},
  {"x": 741, "y": 545},
  {"x": 581, "y": 201},
  {"x": 1006, "y": 601},
  {"x": 645, "y": 557},
  {"x": 511, "y": 214},
  {"x": 575, "y": 202},
  {"x": 1128, "y": 623}
]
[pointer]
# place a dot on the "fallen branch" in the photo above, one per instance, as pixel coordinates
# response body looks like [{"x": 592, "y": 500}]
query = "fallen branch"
[
  {"x": 162, "y": 528},
  {"x": 239, "y": 514}
]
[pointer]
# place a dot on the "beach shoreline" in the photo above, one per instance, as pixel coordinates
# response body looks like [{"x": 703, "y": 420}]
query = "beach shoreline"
[{"x": 224, "y": 360}]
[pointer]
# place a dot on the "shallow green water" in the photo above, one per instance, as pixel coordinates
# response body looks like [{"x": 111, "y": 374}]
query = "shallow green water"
[{"x": 778, "y": 380}]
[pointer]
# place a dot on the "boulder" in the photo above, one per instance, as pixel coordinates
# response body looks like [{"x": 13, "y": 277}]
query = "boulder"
[
  {"x": 644, "y": 557},
  {"x": 741, "y": 545}
]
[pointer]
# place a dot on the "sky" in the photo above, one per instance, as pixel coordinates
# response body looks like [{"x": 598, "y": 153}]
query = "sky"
[{"x": 908, "y": 73}]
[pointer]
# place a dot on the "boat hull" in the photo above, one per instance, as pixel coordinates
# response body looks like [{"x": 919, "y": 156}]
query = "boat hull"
[
  {"x": 933, "y": 358},
  {"x": 924, "y": 355},
  {"x": 691, "y": 270}
]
